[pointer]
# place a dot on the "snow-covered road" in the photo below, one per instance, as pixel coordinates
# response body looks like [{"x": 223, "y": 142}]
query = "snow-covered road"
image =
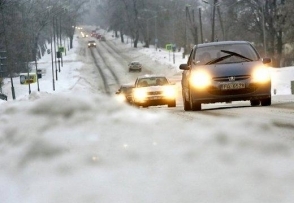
[{"x": 76, "y": 145}]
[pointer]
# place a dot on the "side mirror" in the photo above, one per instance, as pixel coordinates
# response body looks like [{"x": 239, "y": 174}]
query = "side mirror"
[
  {"x": 184, "y": 66},
  {"x": 266, "y": 60}
]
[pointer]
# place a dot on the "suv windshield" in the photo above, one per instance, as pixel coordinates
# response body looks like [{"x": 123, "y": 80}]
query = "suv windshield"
[{"x": 225, "y": 53}]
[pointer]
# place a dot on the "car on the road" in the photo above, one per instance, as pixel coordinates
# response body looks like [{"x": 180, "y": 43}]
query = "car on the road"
[
  {"x": 224, "y": 72},
  {"x": 102, "y": 38},
  {"x": 135, "y": 66},
  {"x": 91, "y": 43},
  {"x": 154, "y": 90},
  {"x": 98, "y": 36},
  {"x": 124, "y": 93}
]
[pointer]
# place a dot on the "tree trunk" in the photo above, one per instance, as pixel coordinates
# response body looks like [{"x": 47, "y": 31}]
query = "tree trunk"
[
  {"x": 71, "y": 42},
  {"x": 121, "y": 36},
  {"x": 136, "y": 39}
]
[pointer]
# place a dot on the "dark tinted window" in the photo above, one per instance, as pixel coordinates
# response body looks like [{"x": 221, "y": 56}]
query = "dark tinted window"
[{"x": 214, "y": 51}]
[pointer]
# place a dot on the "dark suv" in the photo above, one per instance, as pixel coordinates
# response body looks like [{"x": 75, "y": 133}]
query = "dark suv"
[{"x": 225, "y": 72}]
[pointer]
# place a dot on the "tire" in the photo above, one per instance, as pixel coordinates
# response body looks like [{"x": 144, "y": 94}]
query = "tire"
[
  {"x": 172, "y": 104},
  {"x": 195, "y": 106},
  {"x": 266, "y": 102},
  {"x": 186, "y": 103},
  {"x": 254, "y": 102}
]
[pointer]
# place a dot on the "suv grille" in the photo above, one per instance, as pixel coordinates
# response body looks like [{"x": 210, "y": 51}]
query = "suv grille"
[{"x": 230, "y": 78}]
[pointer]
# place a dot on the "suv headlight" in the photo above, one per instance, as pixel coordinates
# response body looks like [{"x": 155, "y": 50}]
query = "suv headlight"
[
  {"x": 261, "y": 75},
  {"x": 139, "y": 94},
  {"x": 200, "y": 79}
]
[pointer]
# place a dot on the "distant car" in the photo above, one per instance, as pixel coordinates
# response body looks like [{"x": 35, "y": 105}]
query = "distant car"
[
  {"x": 102, "y": 38},
  {"x": 93, "y": 33},
  {"x": 3, "y": 96},
  {"x": 98, "y": 36},
  {"x": 91, "y": 43},
  {"x": 224, "y": 72},
  {"x": 124, "y": 93},
  {"x": 135, "y": 66},
  {"x": 154, "y": 90}
]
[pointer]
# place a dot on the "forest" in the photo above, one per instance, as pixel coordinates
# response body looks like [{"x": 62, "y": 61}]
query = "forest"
[
  {"x": 267, "y": 24},
  {"x": 27, "y": 26}
]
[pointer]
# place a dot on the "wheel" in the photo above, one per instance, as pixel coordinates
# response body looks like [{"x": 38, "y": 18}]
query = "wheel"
[
  {"x": 172, "y": 104},
  {"x": 266, "y": 102},
  {"x": 195, "y": 106},
  {"x": 186, "y": 103},
  {"x": 254, "y": 102}
]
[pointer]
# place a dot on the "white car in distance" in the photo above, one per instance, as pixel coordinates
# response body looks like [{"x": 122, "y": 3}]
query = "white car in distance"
[{"x": 154, "y": 90}]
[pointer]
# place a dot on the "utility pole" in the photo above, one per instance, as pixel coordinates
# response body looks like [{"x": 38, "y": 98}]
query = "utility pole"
[
  {"x": 155, "y": 25},
  {"x": 52, "y": 30},
  {"x": 221, "y": 23},
  {"x": 54, "y": 41},
  {"x": 25, "y": 30},
  {"x": 185, "y": 47},
  {"x": 263, "y": 28},
  {"x": 60, "y": 41},
  {"x": 213, "y": 20},
  {"x": 200, "y": 22}
]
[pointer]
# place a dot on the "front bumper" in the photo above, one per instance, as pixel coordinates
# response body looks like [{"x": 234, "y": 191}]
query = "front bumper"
[
  {"x": 154, "y": 101},
  {"x": 135, "y": 69},
  {"x": 213, "y": 94}
]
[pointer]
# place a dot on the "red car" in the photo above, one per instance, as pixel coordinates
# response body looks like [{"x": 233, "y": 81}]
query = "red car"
[{"x": 98, "y": 36}]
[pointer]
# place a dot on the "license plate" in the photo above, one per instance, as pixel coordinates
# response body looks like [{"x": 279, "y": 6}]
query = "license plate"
[
  {"x": 154, "y": 98},
  {"x": 232, "y": 86}
]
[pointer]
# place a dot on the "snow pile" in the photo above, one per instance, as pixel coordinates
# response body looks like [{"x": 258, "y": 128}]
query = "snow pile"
[{"x": 63, "y": 148}]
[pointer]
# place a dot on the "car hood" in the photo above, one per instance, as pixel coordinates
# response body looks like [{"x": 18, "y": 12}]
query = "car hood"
[{"x": 232, "y": 69}]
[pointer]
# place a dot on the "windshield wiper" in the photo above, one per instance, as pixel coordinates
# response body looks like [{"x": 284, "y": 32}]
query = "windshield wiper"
[
  {"x": 236, "y": 54},
  {"x": 230, "y": 53},
  {"x": 213, "y": 61}
]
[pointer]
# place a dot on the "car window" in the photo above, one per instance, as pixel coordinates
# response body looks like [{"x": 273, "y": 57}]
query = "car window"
[
  {"x": 203, "y": 54},
  {"x": 152, "y": 81}
]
